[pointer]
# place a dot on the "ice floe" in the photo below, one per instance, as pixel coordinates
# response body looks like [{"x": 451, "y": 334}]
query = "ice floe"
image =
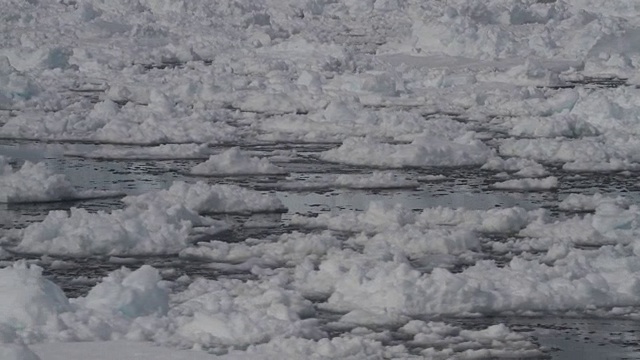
[
  {"x": 206, "y": 198},
  {"x": 522, "y": 92},
  {"x": 530, "y": 184},
  {"x": 36, "y": 182},
  {"x": 421, "y": 152},
  {"x": 235, "y": 162},
  {"x": 161, "y": 222}
]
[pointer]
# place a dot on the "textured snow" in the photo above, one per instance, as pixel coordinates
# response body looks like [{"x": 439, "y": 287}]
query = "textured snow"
[
  {"x": 578, "y": 202},
  {"x": 28, "y": 299},
  {"x": 496, "y": 87},
  {"x": 547, "y": 183},
  {"x": 421, "y": 152},
  {"x": 206, "y": 198},
  {"x": 210, "y": 312},
  {"x": 235, "y": 162},
  {"x": 38, "y": 183},
  {"x": 130, "y": 231},
  {"x": 160, "y": 222}
]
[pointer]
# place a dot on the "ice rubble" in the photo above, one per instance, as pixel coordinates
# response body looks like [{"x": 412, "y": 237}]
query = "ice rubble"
[
  {"x": 429, "y": 85},
  {"x": 529, "y": 184},
  {"x": 579, "y": 202},
  {"x": 36, "y": 182},
  {"x": 235, "y": 162},
  {"x": 133, "y": 305},
  {"x": 595, "y": 277},
  {"x": 421, "y": 152},
  {"x": 128, "y": 304},
  {"x": 160, "y": 222},
  {"x": 206, "y": 198}
]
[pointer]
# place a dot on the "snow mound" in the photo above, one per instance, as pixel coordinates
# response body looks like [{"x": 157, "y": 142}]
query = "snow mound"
[
  {"x": 130, "y": 231},
  {"x": 288, "y": 249},
  {"x": 159, "y": 222},
  {"x": 205, "y": 198},
  {"x": 603, "y": 278},
  {"x": 233, "y": 312},
  {"x": 579, "y": 202},
  {"x": 421, "y": 152},
  {"x": 235, "y": 162},
  {"x": 129, "y": 293},
  {"x": 528, "y": 184},
  {"x": 380, "y": 217},
  {"x": 37, "y": 183},
  {"x": 550, "y": 127},
  {"x": 28, "y": 299}
]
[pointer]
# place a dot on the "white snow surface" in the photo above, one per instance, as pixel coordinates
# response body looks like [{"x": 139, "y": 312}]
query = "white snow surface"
[
  {"x": 160, "y": 222},
  {"x": 547, "y": 183},
  {"x": 36, "y": 182},
  {"x": 235, "y": 162},
  {"x": 132, "y": 305},
  {"x": 421, "y": 152},
  {"x": 492, "y": 85},
  {"x": 129, "y": 231},
  {"x": 579, "y": 202},
  {"x": 206, "y": 198}
]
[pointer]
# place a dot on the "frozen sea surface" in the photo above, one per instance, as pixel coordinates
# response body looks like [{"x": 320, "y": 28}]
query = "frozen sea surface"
[{"x": 319, "y": 179}]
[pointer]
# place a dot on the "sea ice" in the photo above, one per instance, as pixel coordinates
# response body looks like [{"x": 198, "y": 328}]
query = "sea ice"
[
  {"x": 496, "y": 86},
  {"x": 420, "y": 153},
  {"x": 528, "y": 184},
  {"x": 235, "y": 162},
  {"x": 205, "y": 198},
  {"x": 38, "y": 183}
]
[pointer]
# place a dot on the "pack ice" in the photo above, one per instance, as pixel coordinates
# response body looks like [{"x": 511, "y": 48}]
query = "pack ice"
[{"x": 244, "y": 109}]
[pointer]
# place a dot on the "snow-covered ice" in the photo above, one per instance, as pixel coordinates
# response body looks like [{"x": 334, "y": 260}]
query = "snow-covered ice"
[
  {"x": 421, "y": 152},
  {"x": 160, "y": 222},
  {"x": 38, "y": 183},
  {"x": 547, "y": 183},
  {"x": 437, "y": 159},
  {"x": 235, "y": 162},
  {"x": 206, "y": 198}
]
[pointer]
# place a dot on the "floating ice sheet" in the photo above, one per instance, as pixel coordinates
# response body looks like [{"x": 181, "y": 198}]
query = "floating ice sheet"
[
  {"x": 38, "y": 183},
  {"x": 235, "y": 162}
]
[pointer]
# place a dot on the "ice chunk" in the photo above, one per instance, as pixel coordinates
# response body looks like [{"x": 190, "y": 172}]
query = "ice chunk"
[
  {"x": 422, "y": 152},
  {"x": 37, "y": 183},
  {"x": 205, "y": 198},
  {"x": 235, "y": 162},
  {"x": 129, "y": 293},
  {"x": 528, "y": 184},
  {"x": 27, "y": 299}
]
